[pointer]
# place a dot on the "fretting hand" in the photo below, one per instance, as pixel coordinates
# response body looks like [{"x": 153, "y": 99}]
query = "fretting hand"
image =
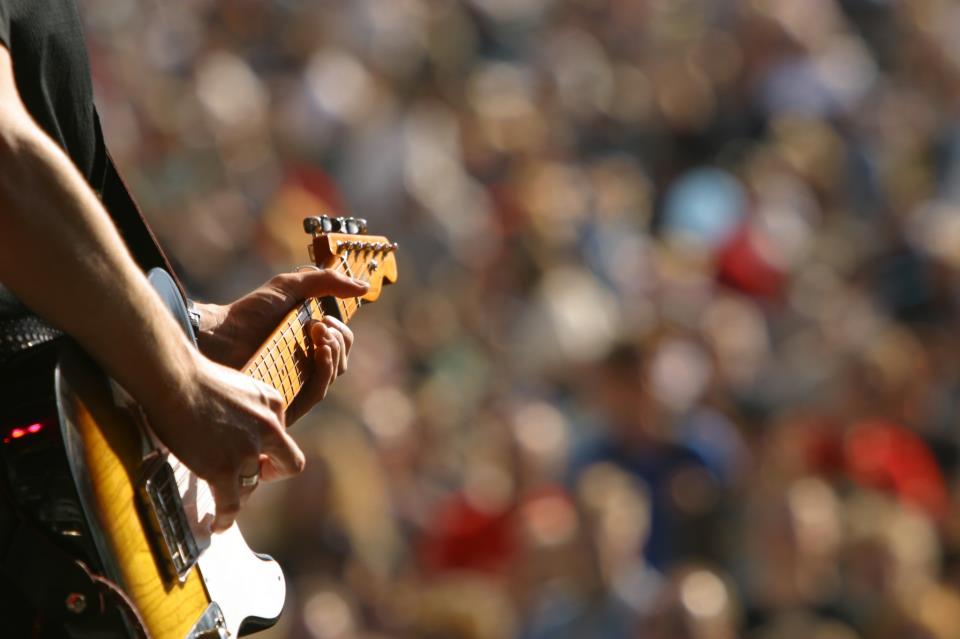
[{"x": 230, "y": 334}]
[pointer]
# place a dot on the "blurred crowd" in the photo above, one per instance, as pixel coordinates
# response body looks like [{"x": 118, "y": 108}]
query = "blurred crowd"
[{"x": 675, "y": 350}]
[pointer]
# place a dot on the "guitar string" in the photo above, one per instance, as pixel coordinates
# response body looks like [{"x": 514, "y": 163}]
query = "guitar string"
[
  {"x": 296, "y": 356},
  {"x": 293, "y": 331},
  {"x": 205, "y": 500},
  {"x": 184, "y": 476}
]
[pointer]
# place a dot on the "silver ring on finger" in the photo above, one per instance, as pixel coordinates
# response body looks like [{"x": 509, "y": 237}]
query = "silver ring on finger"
[{"x": 250, "y": 481}]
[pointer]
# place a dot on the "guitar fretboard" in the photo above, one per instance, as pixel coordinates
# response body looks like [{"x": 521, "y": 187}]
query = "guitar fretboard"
[{"x": 285, "y": 359}]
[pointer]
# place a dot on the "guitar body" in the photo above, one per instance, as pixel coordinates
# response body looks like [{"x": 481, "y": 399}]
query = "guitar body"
[
  {"x": 86, "y": 474},
  {"x": 108, "y": 453}
]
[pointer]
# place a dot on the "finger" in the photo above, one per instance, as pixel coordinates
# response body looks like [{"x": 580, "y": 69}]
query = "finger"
[
  {"x": 268, "y": 470},
  {"x": 326, "y": 356},
  {"x": 271, "y": 399},
  {"x": 226, "y": 495},
  {"x": 337, "y": 342},
  {"x": 342, "y": 328},
  {"x": 319, "y": 283},
  {"x": 250, "y": 468},
  {"x": 283, "y": 456}
]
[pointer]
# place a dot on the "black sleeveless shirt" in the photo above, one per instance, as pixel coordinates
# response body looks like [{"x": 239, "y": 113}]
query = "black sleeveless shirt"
[{"x": 52, "y": 72}]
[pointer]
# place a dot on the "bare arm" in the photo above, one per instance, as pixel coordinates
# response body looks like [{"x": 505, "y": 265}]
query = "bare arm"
[{"x": 62, "y": 256}]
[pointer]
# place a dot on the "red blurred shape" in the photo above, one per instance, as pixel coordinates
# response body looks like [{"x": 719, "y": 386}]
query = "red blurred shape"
[
  {"x": 22, "y": 431},
  {"x": 743, "y": 265},
  {"x": 461, "y": 537},
  {"x": 888, "y": 457}
]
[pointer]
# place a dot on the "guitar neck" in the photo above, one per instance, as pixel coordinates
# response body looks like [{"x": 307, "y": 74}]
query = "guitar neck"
[{"x": 285, "y": 361}]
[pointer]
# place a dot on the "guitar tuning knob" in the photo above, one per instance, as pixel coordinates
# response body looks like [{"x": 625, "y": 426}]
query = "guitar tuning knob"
[
  {"x": 318, "y": 224},
  {"x": 361, "y": 225},
  {"x": 350, "y": 225}
]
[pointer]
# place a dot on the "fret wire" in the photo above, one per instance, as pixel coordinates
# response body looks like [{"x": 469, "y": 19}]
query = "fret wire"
[
  {"x": 289, "y": 362},
  {"x": 294, "y": 332},
  {"x": 274, "y": 371},
  {"x": 291, "y": 343},
  {"x": 283, "y": 374},
  {"x": 283, "y": 371}
]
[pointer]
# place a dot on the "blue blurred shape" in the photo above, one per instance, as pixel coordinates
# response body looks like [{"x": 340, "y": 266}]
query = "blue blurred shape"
[{"x": 704, "y": 205}]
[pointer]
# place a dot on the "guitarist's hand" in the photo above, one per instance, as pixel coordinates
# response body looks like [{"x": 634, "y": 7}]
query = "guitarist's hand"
[
  {"x": 232, "y": 333},
  {"x": 223, "y": 425}
]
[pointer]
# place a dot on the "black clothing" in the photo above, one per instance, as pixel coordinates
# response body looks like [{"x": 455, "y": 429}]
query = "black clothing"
[{"x": 52, "y": 73}]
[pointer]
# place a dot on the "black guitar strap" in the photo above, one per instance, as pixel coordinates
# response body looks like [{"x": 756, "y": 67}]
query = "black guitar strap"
[
  {"x": 129, "y": 219},
  {"x": 70, "y": 599}
]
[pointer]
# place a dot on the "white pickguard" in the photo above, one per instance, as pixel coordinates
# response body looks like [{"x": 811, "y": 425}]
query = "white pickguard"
[{"x": 241, "y": 582}]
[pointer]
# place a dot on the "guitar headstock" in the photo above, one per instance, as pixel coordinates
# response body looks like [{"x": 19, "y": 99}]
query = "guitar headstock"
[{"x": 342, "y": 243}]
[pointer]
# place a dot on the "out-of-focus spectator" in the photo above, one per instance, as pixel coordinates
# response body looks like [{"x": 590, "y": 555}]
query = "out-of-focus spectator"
[{"x": 758, "y": 196}]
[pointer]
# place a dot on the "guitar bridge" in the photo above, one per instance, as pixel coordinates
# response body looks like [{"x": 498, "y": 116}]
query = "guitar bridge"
[{"x": 161, "y": 505}]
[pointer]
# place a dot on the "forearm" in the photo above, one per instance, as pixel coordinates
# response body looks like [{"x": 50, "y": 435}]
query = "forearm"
[{"x": 62, "y": 256}]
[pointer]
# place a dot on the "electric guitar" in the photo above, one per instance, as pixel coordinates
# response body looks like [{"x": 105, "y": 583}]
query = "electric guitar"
[{"x": 83, "y": 466}]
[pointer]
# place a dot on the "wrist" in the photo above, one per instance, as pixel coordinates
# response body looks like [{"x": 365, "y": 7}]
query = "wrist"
[
  {"x": 174, "y": 377},
  {"x": 209, "y": 318}
]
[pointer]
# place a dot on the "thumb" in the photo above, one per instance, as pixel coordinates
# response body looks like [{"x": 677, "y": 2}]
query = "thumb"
[{"x": 329, "y": 282}]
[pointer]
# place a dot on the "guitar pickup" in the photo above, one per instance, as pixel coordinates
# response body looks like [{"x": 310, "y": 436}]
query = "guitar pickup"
[{"x": 162, "y": 507}]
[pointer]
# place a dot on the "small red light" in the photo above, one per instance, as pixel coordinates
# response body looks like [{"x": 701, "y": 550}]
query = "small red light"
[{"x": 22, "y": 431}]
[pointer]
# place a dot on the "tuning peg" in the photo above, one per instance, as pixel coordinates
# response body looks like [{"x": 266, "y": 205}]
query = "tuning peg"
[
  {"x": 361, "y": 225},
  {"x": 318, "y": 224}
]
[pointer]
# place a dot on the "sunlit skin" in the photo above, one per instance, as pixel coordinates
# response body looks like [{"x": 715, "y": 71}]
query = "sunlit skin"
[{"x": 62, "y": 256}]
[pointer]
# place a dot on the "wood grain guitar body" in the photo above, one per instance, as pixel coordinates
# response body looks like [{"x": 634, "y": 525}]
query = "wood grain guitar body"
[
  {"x": 184, "y": 581},
  {"x": 107, "y": 460},
  {"x": 82, "y": 466}
]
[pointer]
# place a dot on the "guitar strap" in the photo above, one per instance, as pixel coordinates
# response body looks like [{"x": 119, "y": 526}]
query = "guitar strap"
[
  {"x": 129, "y": 219},
  {"x": 72, "y": 601}
]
